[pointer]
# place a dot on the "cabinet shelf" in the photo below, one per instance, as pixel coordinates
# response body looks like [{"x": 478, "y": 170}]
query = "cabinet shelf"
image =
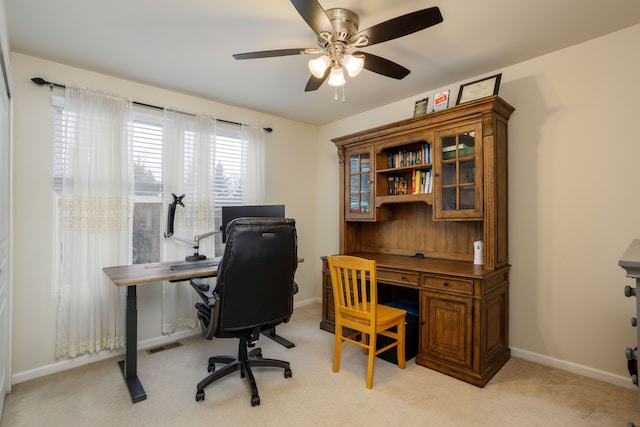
[
  {"x": 459, "y": 159},
  {"x": 464, "y": 186},
  {"x": 405, "y": 198},
  {"x": 391, "y": 171}
]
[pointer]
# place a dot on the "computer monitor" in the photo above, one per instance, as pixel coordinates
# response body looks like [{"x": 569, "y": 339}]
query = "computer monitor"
[{"x": 230, "y": 213}]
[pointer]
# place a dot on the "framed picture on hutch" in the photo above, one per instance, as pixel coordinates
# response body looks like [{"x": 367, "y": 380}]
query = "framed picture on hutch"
[{"x": 479, "y": 89}]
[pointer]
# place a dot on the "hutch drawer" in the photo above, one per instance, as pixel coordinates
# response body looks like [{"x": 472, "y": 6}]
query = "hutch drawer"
[
  {"x": 397, "y": 277},
  {"x": 448, "y": 284}
]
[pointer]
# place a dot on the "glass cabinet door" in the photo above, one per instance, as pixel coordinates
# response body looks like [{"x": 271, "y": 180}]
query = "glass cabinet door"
[
  {"x": 359, "y": 189},
  {"x": 458, "y": 183}
]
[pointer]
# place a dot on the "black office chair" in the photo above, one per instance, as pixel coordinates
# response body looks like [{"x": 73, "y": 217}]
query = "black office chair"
[{"x": 253, "y": 293}]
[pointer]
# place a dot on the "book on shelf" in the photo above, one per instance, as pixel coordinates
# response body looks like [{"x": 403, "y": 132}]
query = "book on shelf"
[
  {"x": 415, "y": 186},
  {"x": 416, "y": 182},
  {"x": 421, "y": 107},
  {"x": 441, "y": 100},
  {"x": 397, "y": 185},
  {"x": 453, "y": 147},
  {"x": 426, "y": 153}
]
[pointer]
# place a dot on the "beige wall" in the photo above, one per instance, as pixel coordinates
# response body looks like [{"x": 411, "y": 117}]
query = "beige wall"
[
  {"x": 574, "y": 154},
  {"x": 573, "y": 205},
  {"x": 288, "y": 180}
]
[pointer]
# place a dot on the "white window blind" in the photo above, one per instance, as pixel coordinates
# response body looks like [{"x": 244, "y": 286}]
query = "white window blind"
[
  {"x": 229, "y": 157},
  {"x": 230, "y": 169},
  {"x": 145, "y": 146},
  {"x": 146, "y": 149}
]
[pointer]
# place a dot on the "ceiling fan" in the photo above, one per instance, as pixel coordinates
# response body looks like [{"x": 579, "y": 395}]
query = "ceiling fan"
[{"x": 339, "y": 42}]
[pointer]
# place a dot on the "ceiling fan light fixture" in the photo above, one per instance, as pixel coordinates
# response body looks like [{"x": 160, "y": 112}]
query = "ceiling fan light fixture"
[
  {"x": 319, "y": 65},
  {"x": 336, "y": 78},
  {"x": 353, "y": 64}
]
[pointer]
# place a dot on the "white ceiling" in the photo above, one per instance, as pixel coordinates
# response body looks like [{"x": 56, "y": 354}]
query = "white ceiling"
[{"x": 187, "y": 45}]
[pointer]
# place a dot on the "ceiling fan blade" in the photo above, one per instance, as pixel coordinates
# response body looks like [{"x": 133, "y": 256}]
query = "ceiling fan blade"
[
  {"x": 313, "y": 14},
  {"x": 269, "y": 53},
  {"x": 402, "y": 25},
  {"x": 314, "y": 82},
  {"x": 383, "y": 66}
]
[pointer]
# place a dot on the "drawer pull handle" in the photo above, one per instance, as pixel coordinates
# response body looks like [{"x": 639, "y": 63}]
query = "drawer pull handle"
[
  {"x": 403, "y": 278},
  {"x": 445, "y": 283},
  {"x": 629, "y": 291}
]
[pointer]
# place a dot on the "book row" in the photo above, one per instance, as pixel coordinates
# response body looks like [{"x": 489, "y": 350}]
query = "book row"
[
  {"x": 401, "y": 159},
  {"x": 419, "y": 183}
]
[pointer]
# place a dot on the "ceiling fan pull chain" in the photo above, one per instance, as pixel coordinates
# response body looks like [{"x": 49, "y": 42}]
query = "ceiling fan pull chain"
[{"x": 335, "y": 94}]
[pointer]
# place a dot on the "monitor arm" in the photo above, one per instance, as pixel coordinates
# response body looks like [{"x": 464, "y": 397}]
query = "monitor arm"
[{"x": 177, "y": 200}]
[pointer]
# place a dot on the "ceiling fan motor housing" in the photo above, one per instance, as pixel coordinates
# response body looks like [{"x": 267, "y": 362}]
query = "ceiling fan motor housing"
[{"x": 345, "y": 23}]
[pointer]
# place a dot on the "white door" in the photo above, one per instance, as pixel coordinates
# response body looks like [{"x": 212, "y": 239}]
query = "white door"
[
  {"x": 5, "y": 244},
  {"x": 6, "y": 217}
]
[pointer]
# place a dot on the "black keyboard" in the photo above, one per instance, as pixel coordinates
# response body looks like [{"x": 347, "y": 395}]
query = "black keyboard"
[{"x": 199, "y": 264}]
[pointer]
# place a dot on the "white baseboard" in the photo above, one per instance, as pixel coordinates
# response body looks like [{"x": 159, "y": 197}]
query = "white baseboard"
[
  {"x": 608, "y": 377},
  {"x": 307, "y": 302},
  {"x": 63, "y": 365}
]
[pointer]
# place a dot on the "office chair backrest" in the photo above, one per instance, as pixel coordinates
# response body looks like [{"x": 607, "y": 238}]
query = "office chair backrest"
[{"x": 255, "y": 275}]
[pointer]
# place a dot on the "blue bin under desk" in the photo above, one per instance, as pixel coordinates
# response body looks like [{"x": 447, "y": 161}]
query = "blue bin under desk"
[
  {"x": 405, "y": 304},
  {"x": 411, "y": 332}
]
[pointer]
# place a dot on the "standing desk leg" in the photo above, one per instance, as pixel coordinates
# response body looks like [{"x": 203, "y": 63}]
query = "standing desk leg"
[
  {"x": 271, "y": 333},
  {"x": 128, "y": 366}
]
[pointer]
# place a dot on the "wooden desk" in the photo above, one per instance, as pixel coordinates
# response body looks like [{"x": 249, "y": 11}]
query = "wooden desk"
[
  {"x": 140, "y": 274},
  {"x": 463, "y": 311}
]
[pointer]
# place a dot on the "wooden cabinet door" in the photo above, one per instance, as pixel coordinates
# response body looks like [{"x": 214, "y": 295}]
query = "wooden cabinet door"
[
  {"x": 446, "y": 327},
  {"x": 458, "y": 172},
  {"x": 359, "y": 185}
]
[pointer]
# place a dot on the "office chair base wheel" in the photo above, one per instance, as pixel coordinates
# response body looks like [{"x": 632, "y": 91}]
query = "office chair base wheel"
[
  {"x": 211, "y": 367},
  {"x": 288, "y": 373},
  {"x": 255, "y": 400},
  {"x": 200, "y": 395}
]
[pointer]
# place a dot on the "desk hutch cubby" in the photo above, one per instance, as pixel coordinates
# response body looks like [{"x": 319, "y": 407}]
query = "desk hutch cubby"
[{"x": 415, "y": 195}]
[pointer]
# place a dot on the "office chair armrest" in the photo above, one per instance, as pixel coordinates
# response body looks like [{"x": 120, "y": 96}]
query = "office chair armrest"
[
  {"x": 202, "y": 288},
  {"x": 208, "y": 309}
]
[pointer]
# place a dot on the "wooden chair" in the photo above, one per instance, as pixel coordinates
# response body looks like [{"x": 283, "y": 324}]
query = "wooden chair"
[{"x": 358, "y": 313}]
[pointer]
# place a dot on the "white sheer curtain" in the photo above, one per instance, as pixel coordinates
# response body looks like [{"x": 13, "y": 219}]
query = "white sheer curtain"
[
  {"x": 189, "y": 149},
  {"x": 255, "y": 185},
  {"x": 189, "y": 156},
  {"x": 96, "y": 208}
]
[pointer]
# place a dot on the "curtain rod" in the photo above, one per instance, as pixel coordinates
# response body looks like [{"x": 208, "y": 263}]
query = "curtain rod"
[{"x": 42, "y": 82}]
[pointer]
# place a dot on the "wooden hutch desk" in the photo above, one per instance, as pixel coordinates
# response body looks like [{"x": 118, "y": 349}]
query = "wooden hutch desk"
[{"x": 415, "y": 195}]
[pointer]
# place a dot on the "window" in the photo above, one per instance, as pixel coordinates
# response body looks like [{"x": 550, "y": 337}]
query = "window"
[
  {"x": 146, "y": 149},
  {"x": 146, "y": 134}
]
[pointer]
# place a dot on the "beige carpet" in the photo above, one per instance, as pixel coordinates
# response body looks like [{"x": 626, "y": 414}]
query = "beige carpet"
[{"x": 521, "y": 394}]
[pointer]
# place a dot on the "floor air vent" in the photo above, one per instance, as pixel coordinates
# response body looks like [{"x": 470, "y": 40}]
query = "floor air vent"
[{"x": 164, "y": 347}]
